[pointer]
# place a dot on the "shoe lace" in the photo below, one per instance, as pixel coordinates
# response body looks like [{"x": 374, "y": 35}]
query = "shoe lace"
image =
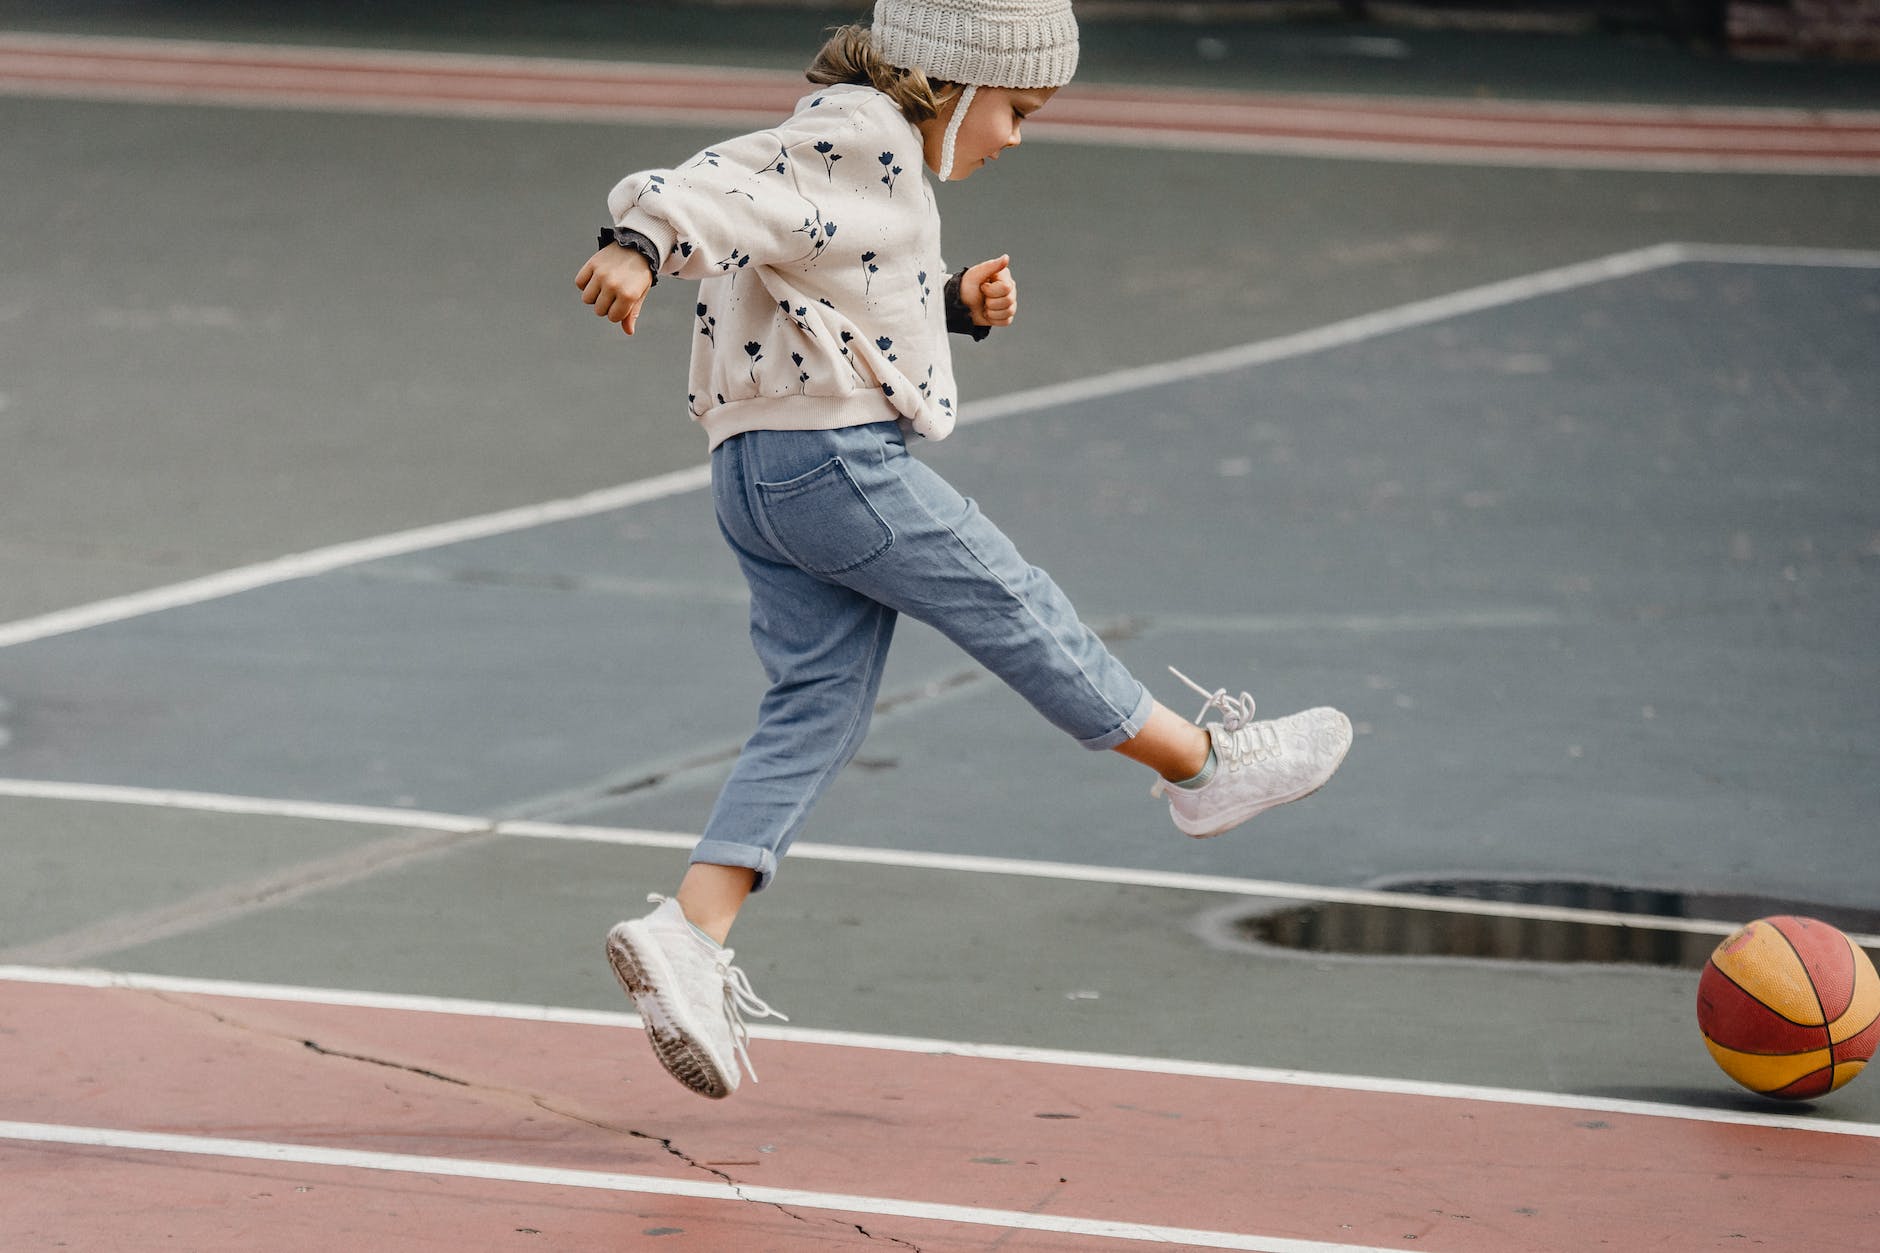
[
  {"x": 739, "y": 1001},
  {"x": 1236, "y": 712},
  {"x": 1241, "y": 738}
]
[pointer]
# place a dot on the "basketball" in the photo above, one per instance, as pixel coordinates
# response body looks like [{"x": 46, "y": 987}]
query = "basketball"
[{"x": 1789, "y": 1007}]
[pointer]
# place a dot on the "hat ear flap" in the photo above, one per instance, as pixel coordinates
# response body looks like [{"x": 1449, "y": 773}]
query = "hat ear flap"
[{"x": 953, "y": 131}]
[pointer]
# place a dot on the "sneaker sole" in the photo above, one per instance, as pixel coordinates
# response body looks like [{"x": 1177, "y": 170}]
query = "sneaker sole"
[
  {"x": 1242, "y": 816},
  {"x": 1238, "y": 816},
  {"x": 642, "y": 973}
]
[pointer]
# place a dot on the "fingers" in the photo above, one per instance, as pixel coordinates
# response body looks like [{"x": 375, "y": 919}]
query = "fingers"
[
  {"x": 616, "y": 290},
  {"x": 624, "y": 310},
  {"x": 977, "y": 275},
  {"x": 998, "y": 291},
  {"x": 1001, "y": 304},
  {"x": 614, "y": 305}
]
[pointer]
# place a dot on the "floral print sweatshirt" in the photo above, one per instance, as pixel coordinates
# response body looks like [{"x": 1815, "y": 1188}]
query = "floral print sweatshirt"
[{"x": 821, "y": 299}]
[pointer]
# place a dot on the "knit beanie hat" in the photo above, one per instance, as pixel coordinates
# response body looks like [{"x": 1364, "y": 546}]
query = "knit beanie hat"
[{"x": 983, "y": 43}]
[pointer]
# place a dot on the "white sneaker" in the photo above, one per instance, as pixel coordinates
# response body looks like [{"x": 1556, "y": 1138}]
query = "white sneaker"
[
  {"x": 1257, "y": 764},
  {"x": 690, "y": 996}
]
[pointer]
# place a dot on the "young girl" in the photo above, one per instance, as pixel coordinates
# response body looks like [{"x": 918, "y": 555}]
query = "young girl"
[{"x": 822, "y": 317}]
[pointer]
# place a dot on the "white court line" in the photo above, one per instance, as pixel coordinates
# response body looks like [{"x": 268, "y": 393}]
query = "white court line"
[
  {"x": 1338, "y": 334},
  {"x": 904, "y": 859},
  {"x": 356, "y": 552},
  {"x": 654, "y": 1185},
  {"x": 346, "y": 998}
]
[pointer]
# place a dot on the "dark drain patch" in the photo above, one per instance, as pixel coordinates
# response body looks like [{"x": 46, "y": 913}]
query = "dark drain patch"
[{"x": 1376, "y": 930}]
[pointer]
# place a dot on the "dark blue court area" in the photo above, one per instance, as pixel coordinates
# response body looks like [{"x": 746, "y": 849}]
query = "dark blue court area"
[{"x": 1592, "y": 571}]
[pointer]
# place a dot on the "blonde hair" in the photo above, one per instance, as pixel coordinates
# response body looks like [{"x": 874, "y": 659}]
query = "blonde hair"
[{"x": 850, "y": 57}]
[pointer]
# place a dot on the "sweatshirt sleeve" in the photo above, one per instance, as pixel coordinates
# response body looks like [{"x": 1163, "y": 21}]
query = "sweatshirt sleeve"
[{"x": 731, "y": 206}]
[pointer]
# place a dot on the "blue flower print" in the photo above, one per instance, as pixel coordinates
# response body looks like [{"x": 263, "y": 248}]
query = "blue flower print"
[
  {"x": 655, "y": 185},
  {"x": 802, "y": 375},
  {"x": 869, "y": 270},
  {"x": 755, "y": 351},
  {"x": 891, "y": 171},
  {"x": 886, "y": 390},
  {"x": 736, "y": 261},
  {"x": 796, "y": 316},
  {"x": 708, "y": 325},
  {"x": 817, "y": 231},
  {"x": 707, "y": 157},
  {"x": 829, "y": 155},
  {"x": 848, "y": 337},
  {"x": 925, "y": 291},
  {"x": 685, "y": 248},
  {"x": 884, "y": 343},
  {"x": 777, "y": 164}
]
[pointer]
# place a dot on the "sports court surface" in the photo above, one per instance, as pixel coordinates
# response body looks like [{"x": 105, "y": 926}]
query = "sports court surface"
[{"x": 367, "y": 648}]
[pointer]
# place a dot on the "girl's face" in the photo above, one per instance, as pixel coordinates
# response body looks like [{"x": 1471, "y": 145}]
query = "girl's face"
[{"x": 991, "y": 126}]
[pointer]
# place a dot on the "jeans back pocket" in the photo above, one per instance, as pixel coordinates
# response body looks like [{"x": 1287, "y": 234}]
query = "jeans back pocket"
[{"x": 821, "y": 520}]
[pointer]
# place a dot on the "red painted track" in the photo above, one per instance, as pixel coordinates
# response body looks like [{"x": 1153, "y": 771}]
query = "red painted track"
[
  {"x": 1621, "y": 136},
  {"x": 1224, "y": 1155}
]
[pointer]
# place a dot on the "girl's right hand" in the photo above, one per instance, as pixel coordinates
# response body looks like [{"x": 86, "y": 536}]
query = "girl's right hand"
[{"x": 615, "y": 281}]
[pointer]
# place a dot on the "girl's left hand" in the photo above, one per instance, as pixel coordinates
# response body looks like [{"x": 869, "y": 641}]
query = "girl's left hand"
[{"x": 990, "y": 293}]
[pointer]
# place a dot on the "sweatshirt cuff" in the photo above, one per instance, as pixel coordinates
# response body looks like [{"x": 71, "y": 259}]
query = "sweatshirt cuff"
[
  {"x": 637, "y": 242},
  {"x": 959, "y": 320},
  {"x": 661, "y": 236}
]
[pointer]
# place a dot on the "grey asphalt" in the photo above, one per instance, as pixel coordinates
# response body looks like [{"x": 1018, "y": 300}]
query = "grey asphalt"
[{"x": 1595, "y": 571}]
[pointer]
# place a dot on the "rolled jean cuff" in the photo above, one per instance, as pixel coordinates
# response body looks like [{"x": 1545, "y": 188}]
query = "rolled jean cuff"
[
  {"x": 749, "y": 856},
  {"x": 1131, "y": 727}
]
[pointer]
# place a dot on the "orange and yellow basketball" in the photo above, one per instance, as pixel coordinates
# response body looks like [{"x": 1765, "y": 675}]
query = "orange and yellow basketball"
[{"x": 1790, "y": 1007}]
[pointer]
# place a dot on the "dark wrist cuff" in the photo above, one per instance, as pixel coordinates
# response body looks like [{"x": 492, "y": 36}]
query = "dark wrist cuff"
[{"x": 959, "y": 318}]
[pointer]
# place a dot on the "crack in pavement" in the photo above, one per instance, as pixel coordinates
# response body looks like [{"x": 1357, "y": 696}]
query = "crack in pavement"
[
  {"x": 534, "y": 1099},
  {"x": 323, "y": 1051},
  {"x": 666, "y": 1143}
]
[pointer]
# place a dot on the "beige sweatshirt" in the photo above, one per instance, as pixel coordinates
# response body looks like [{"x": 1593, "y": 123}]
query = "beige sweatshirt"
[{"x": 817, "y": 247}]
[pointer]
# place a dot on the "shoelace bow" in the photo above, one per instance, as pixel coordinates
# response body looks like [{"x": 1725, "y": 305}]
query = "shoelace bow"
[
  {"x": 741, "y": 1000},
  {"x": 1240, "y": 740},
  {"x": 1235, "y": 713}
]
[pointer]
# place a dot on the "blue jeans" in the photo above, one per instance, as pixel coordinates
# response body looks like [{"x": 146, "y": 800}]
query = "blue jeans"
[{"x": 839, "y": 532}]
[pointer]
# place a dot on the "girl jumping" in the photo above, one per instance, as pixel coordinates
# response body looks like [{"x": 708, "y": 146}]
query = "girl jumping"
[{"x": 823, "y": 310}]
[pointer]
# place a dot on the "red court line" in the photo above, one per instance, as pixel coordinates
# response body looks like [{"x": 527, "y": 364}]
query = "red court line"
[
  {"x": 1537, "y": 132},
  {"x": 1384, "y": 1170}
]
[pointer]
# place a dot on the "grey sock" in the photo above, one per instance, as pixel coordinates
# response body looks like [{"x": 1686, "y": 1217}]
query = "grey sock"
[
  {"x": 702, "y": 934},
  {"x": 1200, "y": 780}
]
